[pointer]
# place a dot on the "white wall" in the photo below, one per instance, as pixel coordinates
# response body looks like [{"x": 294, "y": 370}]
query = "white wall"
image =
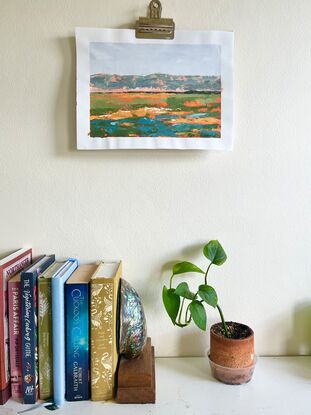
[{"x": 153, "y": 207}]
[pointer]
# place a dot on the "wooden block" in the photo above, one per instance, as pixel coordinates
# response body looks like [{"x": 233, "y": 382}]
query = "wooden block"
[
  {"x": 136, "y": 372},
  {"x": 136, "y": 378}
]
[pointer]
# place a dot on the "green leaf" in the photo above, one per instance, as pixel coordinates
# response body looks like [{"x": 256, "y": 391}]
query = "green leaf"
[
  {"x": 208, "y": 294},
  {"x": 198, "y": 314},
  {"x": 182, "y": 267},
  {"x": 171, "y": 302},
  {"x": 215, "y": 252},
  {"x": 183, "y": 291}
]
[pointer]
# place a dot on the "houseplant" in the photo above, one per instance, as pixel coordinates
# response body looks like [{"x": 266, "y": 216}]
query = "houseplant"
[{"x": 231, "y": 355}]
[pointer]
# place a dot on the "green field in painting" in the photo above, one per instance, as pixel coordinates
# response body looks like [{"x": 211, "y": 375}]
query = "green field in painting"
[{"x": 155, "y": 114}]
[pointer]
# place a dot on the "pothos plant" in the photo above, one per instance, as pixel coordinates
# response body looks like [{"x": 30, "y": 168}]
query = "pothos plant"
[{"x": 182, "y": 305}]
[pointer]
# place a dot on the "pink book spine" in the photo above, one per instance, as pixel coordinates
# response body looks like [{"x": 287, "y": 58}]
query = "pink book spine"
[{"x": 14, "y": 301}]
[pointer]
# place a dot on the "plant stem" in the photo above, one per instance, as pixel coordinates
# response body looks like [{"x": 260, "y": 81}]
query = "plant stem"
[
  {"x": 180, "y": 312},
  {"x": 187, "y": 322},
  {"x": 186, "y": 316},
  {"x": 224, "y": 325},
  {"x": 205, "y": 278},
  {"x": 171, "y": 280}
]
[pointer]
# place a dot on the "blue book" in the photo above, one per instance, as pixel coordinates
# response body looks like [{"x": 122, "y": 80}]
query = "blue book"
[
  {"x": 77, "y": 333},
  {"x": 29, "y": 327},
  {"x": 58, "y": 324}
]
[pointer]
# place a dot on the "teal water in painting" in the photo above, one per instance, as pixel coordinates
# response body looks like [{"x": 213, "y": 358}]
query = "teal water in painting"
[{"x": 152, "y": 127}]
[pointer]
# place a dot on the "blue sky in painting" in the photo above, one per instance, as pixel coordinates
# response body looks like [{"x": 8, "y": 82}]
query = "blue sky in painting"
[{"x": 144, "y": 59}]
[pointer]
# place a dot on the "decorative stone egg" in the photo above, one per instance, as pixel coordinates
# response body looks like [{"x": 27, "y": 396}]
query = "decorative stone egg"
[{"x": 133, "y": 328}]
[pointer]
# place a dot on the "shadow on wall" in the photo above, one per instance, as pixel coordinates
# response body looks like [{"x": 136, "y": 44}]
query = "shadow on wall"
[
  {"x": 192, "y": 341},
  {"x": 191, "y": 253},
  {"x": 4, "y": 254},
  {"x": 65, "y": 109},
  {"x": 300, "y": 339}
]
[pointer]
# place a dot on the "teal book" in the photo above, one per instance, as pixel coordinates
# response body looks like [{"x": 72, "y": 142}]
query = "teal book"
[
  {"x": 45, "y": 330},
  {"x": 77, "y": 333},
  {"x": 58, "y": 327}
]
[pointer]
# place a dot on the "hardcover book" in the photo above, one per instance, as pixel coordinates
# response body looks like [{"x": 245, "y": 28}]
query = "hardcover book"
[
  {"x": 77, "y": 333},
  {"x": 45, "y": 330},
  {"x": 15, "y": 336},
  {"x": 104, "y": 357},
  {"x": 9, "y": 266},
  {"x": 58, "y": 324},
  {"x": 29, "y": 327}
]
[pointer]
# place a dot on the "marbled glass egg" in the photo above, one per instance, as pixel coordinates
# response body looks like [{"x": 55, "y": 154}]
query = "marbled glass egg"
[{"x": 133, "y": 328}]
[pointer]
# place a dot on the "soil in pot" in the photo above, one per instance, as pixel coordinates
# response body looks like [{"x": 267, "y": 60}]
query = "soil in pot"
[{"x": 236, "y": 354}]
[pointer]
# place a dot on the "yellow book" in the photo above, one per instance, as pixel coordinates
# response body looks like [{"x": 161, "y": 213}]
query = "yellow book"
[{"x": 103, "y": 302}]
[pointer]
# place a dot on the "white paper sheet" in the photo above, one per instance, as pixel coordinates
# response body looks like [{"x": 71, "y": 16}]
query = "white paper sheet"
[{"x": 133, "y": 93}]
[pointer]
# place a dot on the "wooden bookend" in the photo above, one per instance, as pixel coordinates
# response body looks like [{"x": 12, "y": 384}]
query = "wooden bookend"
[{"x": 136, "y": 377}]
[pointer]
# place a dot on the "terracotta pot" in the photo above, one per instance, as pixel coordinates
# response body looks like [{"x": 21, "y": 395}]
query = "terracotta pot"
[{"x": 232, "y": 359}]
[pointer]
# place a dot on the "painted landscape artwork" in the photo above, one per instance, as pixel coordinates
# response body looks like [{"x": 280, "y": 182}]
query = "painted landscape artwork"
[
  {"x": 177, "y": 100},
  {"x": 154, "y": 94}
]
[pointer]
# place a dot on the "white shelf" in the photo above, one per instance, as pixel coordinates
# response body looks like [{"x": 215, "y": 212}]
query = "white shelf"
[{"x": 280, "y": 385}]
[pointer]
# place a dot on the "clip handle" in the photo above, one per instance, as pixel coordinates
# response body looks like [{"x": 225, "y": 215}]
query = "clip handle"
[{"x": 155, "y": 9}]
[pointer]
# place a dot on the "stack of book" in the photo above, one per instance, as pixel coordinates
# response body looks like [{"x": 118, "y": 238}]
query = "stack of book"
[{"x": 58, "y": 328}]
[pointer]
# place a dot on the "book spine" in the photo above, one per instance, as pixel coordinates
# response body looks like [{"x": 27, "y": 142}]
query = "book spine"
[
  {"x": 7, "y": 271},
  {"x": 29, "y": 338},
  {"x": 102, "y": 340},
  {"x": 58, "y": 341},
  {"x": 77, "y": 342},
  {"x": 4, "y": 375},
  {"x": 15, "y": 336},
  {"x": 58, "y": 323},
  {"x": 45, "y": 339}
]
